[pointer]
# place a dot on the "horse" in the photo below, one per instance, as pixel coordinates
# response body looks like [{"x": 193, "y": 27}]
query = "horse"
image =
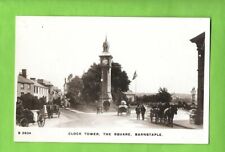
[
  {"x": 160, "y": 116},
  {"x": 169, "y": 115}
]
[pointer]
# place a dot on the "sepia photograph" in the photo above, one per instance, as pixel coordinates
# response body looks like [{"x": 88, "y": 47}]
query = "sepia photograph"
[{"x": 112, "y": 79}]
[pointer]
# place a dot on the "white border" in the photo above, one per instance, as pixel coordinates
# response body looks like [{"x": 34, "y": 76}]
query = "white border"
[{"x": 170, "y": 136}]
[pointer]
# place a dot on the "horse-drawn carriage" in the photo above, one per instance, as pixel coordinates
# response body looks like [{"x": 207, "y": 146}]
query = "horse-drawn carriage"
[
  {"x": 53, "y": 109},
  {"x": 25, "y": 116},
  {"x": 163, "y": 114},
  {"x": 154, "y": 115},
  {"x": 123, "y": 108}
]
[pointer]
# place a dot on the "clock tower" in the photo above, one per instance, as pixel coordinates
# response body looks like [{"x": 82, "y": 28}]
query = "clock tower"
[{"x": 106, "y": 63}]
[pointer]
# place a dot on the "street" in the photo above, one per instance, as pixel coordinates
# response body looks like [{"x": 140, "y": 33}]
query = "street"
[{"x": 73, "y": 119}]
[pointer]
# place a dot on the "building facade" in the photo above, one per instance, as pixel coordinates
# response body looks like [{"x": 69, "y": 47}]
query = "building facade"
[
  {"x": 130, "y": 96},
  {"x": 39, "y": 88},
  {"x": 24, "y": 85},
  {"x": 200, "y": 43},
  {"x": 40, "y": 91},
  {"x": 49, "y": 86}
]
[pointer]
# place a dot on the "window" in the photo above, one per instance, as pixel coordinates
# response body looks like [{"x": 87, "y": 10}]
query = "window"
[
  {"x": 21, "y": 86},
  {"x": 28, "y": 86},
  {"x": 35, "y": 89}
]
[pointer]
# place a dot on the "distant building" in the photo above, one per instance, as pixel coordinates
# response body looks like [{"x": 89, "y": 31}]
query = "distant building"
[
  {"x": 130, "y": 96},
  {"x": 56, "y": 93},
  {"x": 40, "y": 90},
  {"x": 24, "y": 85},
  {"x": 48, "y": 85}
]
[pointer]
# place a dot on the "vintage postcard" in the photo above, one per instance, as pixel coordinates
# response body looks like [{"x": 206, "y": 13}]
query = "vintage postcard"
[{"x": 112, "y": 79}]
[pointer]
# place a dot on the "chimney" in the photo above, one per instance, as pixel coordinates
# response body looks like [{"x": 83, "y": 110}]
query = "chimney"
[
  {"x": 24, "y": 73},
  {"x": 34, "y": 79},
  {"x": 40, "y": 81}
]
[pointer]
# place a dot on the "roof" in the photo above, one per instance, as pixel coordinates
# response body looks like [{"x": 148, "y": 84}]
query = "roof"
[
  {"x": 38, "y": 84},
  {"x": 21, "y": 79},
  {"x": 44, "y": 82}
]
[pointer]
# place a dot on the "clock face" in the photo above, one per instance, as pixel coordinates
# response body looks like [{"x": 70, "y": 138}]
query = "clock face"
[{"x": 105, "y": 61}]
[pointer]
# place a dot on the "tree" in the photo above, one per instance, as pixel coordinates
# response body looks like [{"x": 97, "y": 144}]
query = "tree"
[
  {"x": 148, "y": 99},
  {"x": 30, "y": 102},
  {"x": 92, "y": 83},
  {"x": 42, "y": 102},
  {"x": 163, "y": 95},
  {"x": 118, "y": 96},
  {"x": 89, "y": 85},
  {"x": 120, "y": 80},
  {"x": 75, "y": 87},
  {"x": 120, "y": 83}
]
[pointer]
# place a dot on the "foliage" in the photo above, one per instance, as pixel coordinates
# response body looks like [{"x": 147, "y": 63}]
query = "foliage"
[
  {"x": 120, "y": 80},
  {"x": 163, "y": 96},
  {"x": 57, "y": 101},
  {"x": 31, "y": 102},
  {"x": 92, "y": 83},
  {"x": 42, "y": 102},
  {"x": 118, "y": 96},
  {"x": 148, "y": 98},
  {"x": 88, "y": 88},
  {"x": 120, "y": 83},
  {"x": 75, "y": 87}
]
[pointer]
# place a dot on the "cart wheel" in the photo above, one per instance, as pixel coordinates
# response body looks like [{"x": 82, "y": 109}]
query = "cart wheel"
[
  {"x": 24, "y": 122},
  {"x": 41, "y": 121}
]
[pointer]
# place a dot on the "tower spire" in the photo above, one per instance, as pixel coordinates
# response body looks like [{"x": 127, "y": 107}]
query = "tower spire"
[{"x": 105, "y": 45}]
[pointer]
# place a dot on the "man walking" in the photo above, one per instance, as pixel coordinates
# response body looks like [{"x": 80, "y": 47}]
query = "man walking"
[
  {"x": 138, "y": 111},
  {"x": 143, "y": 110}
]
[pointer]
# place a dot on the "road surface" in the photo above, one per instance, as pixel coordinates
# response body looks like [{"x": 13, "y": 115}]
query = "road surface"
[{"x": 77, "y": 119}]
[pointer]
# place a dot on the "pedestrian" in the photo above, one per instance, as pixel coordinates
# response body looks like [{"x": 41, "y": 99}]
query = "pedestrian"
[
  {"x": 143, "y": 110},
  {"x": 138, "y": 111}
]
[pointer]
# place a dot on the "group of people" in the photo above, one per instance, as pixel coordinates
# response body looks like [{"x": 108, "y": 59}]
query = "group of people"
[{"x": 140, "y": 111}]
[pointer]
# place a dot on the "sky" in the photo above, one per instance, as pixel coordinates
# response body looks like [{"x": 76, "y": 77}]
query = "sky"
[{"x": 158, "y": 49}]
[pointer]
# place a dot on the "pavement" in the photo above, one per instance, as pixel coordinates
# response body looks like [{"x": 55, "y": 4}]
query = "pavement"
[
  {"x": 182, "y": 119},
  {"x": 186, "y": 124}
]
